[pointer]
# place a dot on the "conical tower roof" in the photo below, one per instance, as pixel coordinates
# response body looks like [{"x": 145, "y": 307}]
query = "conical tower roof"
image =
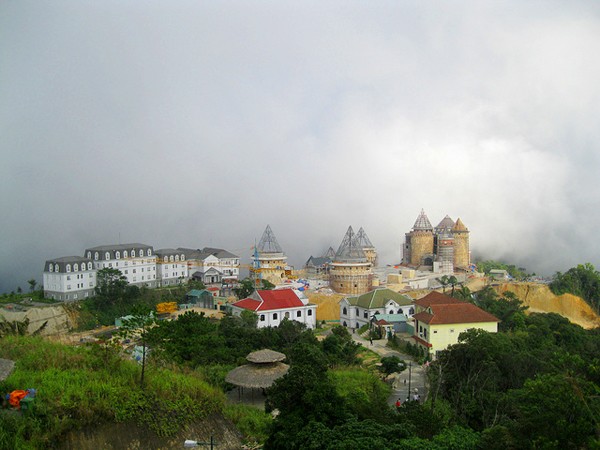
[
  {"x": 422, "y": 223},
  {"x": 330, "y": 253},
  {"x": 268, "y": 242},
  {"x": 349, "y": 250},
  {"x": 363, "y": 240},
  {"x": 459, "y": 226},
  {"x": 446, "y": 224}
]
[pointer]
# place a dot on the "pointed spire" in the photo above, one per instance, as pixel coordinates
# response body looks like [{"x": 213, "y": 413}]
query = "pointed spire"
[
  {"x": 422, "y": 223},
  {"x": 349, "y": 250},
  {"x": 330, "y": 253},
  {"x": 459, "y": 226},
  {"x": 268, "y": 242},
  {"x": 363, "y": 240}
]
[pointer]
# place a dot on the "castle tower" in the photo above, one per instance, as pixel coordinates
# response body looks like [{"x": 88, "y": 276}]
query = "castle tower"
[
  {"x": 350, "y": 272},
  {"x": 365, "y": 243},
  {"x": 269, "y": 261},
  {"x": 462, "y": 255},
  {"x": 444, "y": 244},
  {"x": 419, "y": 246}
]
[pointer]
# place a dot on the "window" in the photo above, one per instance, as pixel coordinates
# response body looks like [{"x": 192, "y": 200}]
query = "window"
[
  {"x": 262, "y": 317},
  {"x": 434, "y": 331},
  {"x": 177, "y": 258},
  {"x": 298, "y": 313},
  {"x": 412, "y": 311},
  {"x": 171, "y": 258},
  {"x": 68, "y": 277},
  {"x": 344, "y": 311},
  {"x": 89, "y": 255},
  {"x": 133, "y": 270},
  {"x": 274, "y": 316},
  {"x": 399, "y": 311},
  {"x": 310, "y": 312},
  {"x": 107, "y": 256},
  {"x": 141, "y": 253},
  {"x": 124, "y": 253},
  {"x": 68, "y": 267},
  {"x": 118, "y": 255},
  {"x": 366, "y": 315},
  {"x": 149, "y": 252},
  {"x": 89, "y": 266},
  {"x": 50, "y": 268},
  {"x": 96, "y": 256},
  {"x": 451, "y": 331},
  {"x": 182, "y": 257}
]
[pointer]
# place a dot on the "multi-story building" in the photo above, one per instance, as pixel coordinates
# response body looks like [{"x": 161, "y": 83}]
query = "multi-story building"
[
  {"x": 212, "y": 265},
  {"x": 440, "y": 319},
  {"x": 356, "y": 311},
  {"x": 69, "y": 278},
  {"x": 171, "y": 267},
  {"x": 269, "y": 262},
  {"x": 136, "y": 261},
  {"x": 351, "y": 271}
]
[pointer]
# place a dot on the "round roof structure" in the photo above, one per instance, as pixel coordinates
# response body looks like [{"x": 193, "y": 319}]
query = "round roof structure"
[
  {"x": 258, "y": 376},
  {"x": 265, "y": 356}
]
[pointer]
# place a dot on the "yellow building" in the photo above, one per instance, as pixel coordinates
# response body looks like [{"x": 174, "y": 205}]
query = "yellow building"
[{"x": 440, "y": 319}]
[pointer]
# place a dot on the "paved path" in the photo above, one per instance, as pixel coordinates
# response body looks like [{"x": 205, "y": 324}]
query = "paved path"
[{"x": 400, "y": 388}]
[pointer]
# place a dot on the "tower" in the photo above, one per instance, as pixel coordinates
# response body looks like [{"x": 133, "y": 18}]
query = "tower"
[
  {"x": 351, "y": 271},
  {"x": 462, "y": 257},
  {"x": 268, "y": 260},
  {"x": 419, "y": 245}
]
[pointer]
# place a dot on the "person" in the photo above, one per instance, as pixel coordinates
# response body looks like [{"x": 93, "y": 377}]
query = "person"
[
  {"x": 371, "y": 340},
  {"x": 398, "y": 403}
]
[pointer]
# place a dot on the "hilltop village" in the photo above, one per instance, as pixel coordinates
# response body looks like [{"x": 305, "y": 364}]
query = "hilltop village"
[
  {"x": 341, "y": 353},
  {"x": 369, "y": 295}
]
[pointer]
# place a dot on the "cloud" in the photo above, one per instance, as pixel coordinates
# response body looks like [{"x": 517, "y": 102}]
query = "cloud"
[{"x": 197, "y": 124}]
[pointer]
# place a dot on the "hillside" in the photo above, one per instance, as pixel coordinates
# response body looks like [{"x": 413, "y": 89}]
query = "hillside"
[{"x": 539, "y": 298}]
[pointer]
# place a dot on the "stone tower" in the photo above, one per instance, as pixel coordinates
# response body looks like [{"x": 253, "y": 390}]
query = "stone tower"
[
  {"x": 365, "y": 243},
  {"x": 269, "y": 261},
  {"x": 462, "y": 257},
  {"x": 350, "y": 272},
  {"x": 419, "y": 245}
]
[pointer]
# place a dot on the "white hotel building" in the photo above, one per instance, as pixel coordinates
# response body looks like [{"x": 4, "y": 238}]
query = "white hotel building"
[
  {"x": 69, "y": 278},
  {"x": 136, "y": 262},
  {"x": 171, "y": 267}
]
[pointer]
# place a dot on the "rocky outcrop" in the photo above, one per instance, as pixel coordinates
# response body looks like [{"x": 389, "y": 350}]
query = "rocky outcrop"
[{"x": 56, "y": 318}]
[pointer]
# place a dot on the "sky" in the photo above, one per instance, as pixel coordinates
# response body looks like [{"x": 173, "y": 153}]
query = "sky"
[{"x": 196, "y": 123}]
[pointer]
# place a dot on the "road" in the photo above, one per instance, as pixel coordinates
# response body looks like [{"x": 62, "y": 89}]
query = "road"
[{"x": 415, "y": 372}]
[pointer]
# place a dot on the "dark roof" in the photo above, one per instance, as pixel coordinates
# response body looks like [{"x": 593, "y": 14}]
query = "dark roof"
[
  {"x": 108, "y": 248},
  {"x": 318, "y": 261},
  {"x": 258, "y": 376},
  {"x": 62, "y": 263},
  {"x": 168, "y": 252},
  {"x": 219, "y": 252}
]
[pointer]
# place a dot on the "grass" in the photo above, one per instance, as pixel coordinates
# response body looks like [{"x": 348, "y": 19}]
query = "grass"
[
  {"x": 82, "y": 386},
  {"x": 253, "y": 423}
]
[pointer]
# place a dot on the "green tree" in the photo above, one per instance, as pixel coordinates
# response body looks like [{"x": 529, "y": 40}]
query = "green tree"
[
  {"x": 266, "y": 284},
  {"x": 32, "y": 284},
  {"x": 244, "y": 289},
  {"x": 110, "y": 285},
  {"x": 583, "y": 281},
  {"x": 444, "y": 281},
  {"x": 508, "y": 308},
  {"x": 138, "y": 326},
  {"x": 391, "y": 364}
]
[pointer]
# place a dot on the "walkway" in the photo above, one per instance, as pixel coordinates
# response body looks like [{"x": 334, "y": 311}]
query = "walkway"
[{"x": 400, "y": 388}]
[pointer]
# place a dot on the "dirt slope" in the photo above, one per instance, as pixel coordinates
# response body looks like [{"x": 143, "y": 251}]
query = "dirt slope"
[
  {"x": 328, "y": 306},
  {"x": 540, "y": 298}
]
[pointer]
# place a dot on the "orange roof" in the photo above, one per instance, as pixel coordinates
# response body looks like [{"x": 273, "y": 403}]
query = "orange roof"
[
  {"x": 436, "y": 298},
  {"x": 460, "y": 312}
]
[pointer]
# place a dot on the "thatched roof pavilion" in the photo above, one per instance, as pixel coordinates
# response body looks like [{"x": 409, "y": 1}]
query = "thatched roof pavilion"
[
  {"x": 265, "y": 367},
  {"x": 6, "y": 368}
]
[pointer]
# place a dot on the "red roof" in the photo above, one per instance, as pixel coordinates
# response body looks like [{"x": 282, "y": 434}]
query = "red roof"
[
  {"x": 248, "y": 303},
  {"x": 271, "y": 300},
  {"x": 460, "y": 312},
  {"x": 436, "y": 298}
]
